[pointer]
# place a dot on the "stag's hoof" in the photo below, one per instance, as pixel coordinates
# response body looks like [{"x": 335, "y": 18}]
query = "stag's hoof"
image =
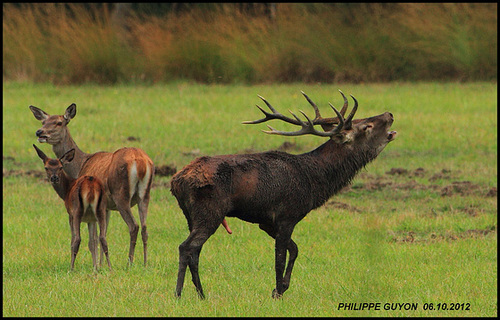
[{"x": 276, "y": 295}]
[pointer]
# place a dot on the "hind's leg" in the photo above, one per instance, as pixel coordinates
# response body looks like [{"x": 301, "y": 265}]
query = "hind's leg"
[
  {"x": 143, "y": 214},
  {"x": 101, "y": 234},
  {"x": 75, "y": 238},
  {"x": 123, "y": 206},
  {"x": 103, "y": 226},
  {"x": 93, "y": 243}
]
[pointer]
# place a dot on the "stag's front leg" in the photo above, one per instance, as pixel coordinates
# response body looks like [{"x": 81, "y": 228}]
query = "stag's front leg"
[
  {"x": 280, "y": 260},
  {"x": 283, "y": 238},
  {"x": 293, "y": 252}
]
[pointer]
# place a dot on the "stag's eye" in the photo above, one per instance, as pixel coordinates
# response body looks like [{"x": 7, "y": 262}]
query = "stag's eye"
[
  {"x": 59, "y": 123},
  {"x": 367, "y": 126}
]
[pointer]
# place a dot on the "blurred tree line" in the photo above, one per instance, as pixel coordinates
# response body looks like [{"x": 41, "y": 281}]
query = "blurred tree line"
[{"x": 249, "y": 42}]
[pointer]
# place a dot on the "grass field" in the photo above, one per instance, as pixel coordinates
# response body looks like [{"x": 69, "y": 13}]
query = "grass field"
[{"x": 418, "y": 226}]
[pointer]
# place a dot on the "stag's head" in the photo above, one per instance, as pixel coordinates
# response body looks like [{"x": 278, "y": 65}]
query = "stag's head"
[
  {"x": 54, "y": 128},
  {"x": 54, "y": 167},
  {"x": 371, "y": 134}
]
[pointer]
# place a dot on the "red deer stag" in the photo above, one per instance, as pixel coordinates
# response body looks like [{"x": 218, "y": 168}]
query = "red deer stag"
[
  {"x": 85, "y": 201},
  {"x": 274, "y": 189},
  {"x": 127, "y": 173}
]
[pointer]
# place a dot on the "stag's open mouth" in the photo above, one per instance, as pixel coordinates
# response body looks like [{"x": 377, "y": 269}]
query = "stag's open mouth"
[
  {"x": 392, "y": 135},
  {"x": 42, "y": 139}
]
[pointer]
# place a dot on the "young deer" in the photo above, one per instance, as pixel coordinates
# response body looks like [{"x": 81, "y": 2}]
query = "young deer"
[
  {"x": 127, "y": 173},
  {"x": 85, "y": 201},
  {"x": 274, "y": 189}
]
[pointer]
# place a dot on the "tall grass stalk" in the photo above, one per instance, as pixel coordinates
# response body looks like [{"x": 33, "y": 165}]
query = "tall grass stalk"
[{"x": 305, "y": 42}]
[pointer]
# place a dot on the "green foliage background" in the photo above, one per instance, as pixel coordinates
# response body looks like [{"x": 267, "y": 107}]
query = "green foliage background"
[{"x": 225, "y": 43}]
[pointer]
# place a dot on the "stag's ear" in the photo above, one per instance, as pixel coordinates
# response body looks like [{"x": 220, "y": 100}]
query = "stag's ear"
[
  {"x": 67, "y": 157},
  {"x": 70, "y": 112},
  {"x": 343, "y": 137},
  {"x": 39, "y": 113},
  {"x": 40, "y": 153}
]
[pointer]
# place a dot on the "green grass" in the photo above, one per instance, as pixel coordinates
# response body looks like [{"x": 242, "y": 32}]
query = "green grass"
[{"x": 388, "y": 239}]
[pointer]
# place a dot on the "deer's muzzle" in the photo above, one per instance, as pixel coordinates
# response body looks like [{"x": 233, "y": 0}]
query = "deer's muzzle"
[{"x": 41, "y": 136}]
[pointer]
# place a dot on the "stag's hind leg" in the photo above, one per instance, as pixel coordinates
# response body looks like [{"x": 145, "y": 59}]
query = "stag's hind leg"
[
  {"x": 189, "y": 255},
  {"x": 189, "y": 252}
]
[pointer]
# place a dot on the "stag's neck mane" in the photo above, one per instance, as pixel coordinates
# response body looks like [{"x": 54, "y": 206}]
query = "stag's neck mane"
[
  {"x": 335, "y": 165},
  {"x": 73, "y": 168}
]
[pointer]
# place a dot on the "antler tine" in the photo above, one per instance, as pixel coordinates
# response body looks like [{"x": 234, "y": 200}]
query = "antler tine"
[
  {"x": 341, "y": 120},
  {"x": 344, "y": 108},
  {"x": 267, "y": 103},
  {"x": 270, "y": 116},
  {"x": 307, "y": 128},
  {"x": 316, "y": 110},
  {"x": 348, "y": 121},
  {"x": 267, "y": 115}
]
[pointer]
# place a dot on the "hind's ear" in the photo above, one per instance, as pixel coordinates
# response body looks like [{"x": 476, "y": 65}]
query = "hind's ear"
[
  {"x": 70, "y": 112},
  {"x": 39, "y": 113},
  {"x": 67, "y": 157},
  {"x": 40, "y": 153}
]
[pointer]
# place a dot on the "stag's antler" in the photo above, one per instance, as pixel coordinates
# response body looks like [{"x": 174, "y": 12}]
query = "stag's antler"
[{"x": 308, "y": 127}]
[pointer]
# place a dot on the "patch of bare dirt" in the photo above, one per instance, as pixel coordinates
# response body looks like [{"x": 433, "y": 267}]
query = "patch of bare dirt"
[
  {"x": 392, "y": 180},
  {"x": 287, "y": 146},
  {"x": 492, "y": 192},
  {"x": 165, "y": 170},
  {"x": 397, "y": 171},
  {"x": 462, "y": 188},
  {"x": 161, "y": 183},
  {"x": 471, "y": 210},
  {"x": 193, "y": 153},
  {"x": 413, "y": 237},
  {"x": 341, "y": 205},
  {"x": 444, "y": 174},
  {"x": 27, "y": 173}
]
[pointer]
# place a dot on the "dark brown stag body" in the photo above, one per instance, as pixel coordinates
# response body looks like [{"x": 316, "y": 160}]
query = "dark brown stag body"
[{"x": 274, "y": 189}]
